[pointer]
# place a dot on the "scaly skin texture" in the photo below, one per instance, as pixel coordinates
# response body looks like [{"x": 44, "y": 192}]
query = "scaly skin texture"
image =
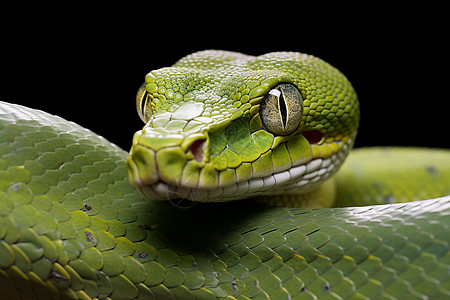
[
  {"x": 72, "y": 227},
  {"x": 372, "y": 177}
]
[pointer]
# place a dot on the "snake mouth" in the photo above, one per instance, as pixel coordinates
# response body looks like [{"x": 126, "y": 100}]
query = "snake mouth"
[{"x": 312, "y": 159}]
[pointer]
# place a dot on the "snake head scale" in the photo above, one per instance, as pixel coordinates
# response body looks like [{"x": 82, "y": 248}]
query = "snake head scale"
[{"x": 221, "y": 126}]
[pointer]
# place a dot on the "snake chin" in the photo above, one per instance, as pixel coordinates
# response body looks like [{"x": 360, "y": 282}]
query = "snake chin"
[{"x": 298, "y": 179}]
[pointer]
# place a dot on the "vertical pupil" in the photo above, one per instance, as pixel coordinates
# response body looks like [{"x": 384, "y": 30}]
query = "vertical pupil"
[
  {"x": 283, "y": 109},
  {"x": 144, "y": 101}
]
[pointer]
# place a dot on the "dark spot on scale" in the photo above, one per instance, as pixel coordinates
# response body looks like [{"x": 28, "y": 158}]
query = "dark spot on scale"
[
  {"x": 55, "y": 276},
  {"x": 143, "y": 255},
  {"x": 195, "y": 264},
  {"x": 234, "y": 285},
  {"x": 389, "y": 199},
  {"x": 147, "y": 227},
  {"x": 432, "y": 171},
  {"x": 326, "y": 287},
  {"x": 86, "y": 208},
  {"x": 89, "y": 237},
  {"x": 303, "y": 289}
]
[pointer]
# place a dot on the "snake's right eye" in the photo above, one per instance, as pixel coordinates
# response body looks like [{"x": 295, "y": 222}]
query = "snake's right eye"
[
  {"x": 281, "y": 109},
  {"x": 143, "y": 104}
]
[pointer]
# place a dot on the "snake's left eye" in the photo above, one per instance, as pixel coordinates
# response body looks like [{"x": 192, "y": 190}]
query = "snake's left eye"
[
  {"x": 143, "y": 104},
  {"x": 281, "y": 109}
]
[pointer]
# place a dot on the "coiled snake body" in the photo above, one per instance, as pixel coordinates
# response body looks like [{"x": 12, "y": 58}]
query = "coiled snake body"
[{"x": 222, "y": 126}]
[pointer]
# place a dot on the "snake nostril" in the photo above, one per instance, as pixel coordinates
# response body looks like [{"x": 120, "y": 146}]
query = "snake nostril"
[{"x": 197, "y": 149}]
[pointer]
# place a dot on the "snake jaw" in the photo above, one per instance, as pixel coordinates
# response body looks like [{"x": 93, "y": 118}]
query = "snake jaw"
[{"x": 175, "y": 172}]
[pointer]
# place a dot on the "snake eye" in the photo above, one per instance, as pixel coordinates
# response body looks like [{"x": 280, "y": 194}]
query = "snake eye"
[
  {"x": 281, "y": 109},
  {"x": 142, "y": 104}
]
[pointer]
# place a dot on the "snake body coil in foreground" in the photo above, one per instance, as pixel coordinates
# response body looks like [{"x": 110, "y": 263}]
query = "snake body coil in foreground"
[{"x": 222, "y": 126}]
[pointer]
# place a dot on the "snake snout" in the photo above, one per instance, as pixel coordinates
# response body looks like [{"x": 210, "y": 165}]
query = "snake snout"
[{"x": 170, "y": 161}]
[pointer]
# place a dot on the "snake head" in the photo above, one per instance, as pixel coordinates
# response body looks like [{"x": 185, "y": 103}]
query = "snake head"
[{"x": 222, "y": 126}]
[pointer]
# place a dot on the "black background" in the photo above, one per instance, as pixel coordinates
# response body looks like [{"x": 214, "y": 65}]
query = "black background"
[{"x": 87, "y": 67}]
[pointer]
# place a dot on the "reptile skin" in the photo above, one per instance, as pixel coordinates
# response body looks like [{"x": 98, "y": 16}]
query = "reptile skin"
[{"x": 72, "y": 227}]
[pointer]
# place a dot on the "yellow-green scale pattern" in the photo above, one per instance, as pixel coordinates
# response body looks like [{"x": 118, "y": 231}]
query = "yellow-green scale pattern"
[{"x": 71, "y": 227}]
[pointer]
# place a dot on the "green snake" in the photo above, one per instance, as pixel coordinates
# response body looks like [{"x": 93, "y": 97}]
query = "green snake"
[{"x": 220, "y": 127}]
